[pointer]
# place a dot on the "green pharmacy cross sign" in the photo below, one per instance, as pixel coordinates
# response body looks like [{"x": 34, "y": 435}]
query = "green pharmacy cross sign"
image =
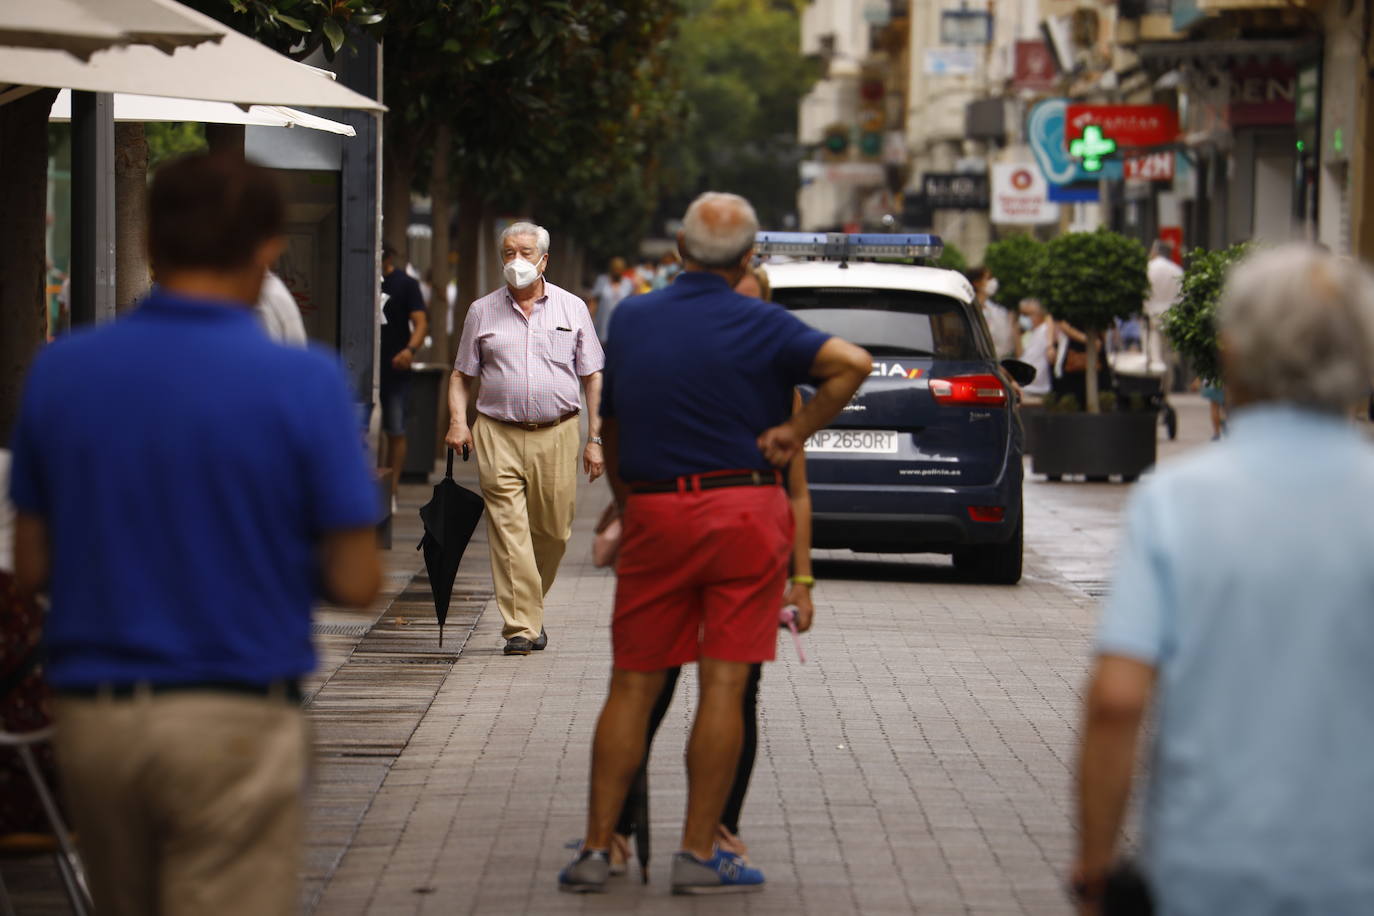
[{"x": 1092, "y": 148}]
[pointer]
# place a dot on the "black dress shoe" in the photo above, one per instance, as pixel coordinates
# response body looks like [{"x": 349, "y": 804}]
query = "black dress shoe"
[
  {"x": 542, "y": 641},
  {"x": 518, "y": 645}
]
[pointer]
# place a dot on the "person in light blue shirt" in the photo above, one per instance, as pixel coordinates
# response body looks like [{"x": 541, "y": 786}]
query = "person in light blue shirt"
[{"x": 1243, "y": 610}]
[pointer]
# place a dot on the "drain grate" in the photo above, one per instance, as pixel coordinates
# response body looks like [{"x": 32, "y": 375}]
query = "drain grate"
[{"x": 340, "y": 629}]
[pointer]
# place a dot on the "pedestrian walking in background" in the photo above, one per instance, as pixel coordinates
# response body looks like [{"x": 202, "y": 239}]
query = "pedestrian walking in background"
[
  {"x": 404, "y": 326},
  {"x": 611, "y": 287},
  {"x": 1002, "y": 322},
  {"x": 1166, "y": 284},
  {"x": 1241, "y": 610},
  {"x": 184, "y": 488},
  {"x": 1038, "y": 348},
  {"x": 532, "y": 345},
  {"x": 698, "y": 396},
  {"x": 278, "y": 312}
]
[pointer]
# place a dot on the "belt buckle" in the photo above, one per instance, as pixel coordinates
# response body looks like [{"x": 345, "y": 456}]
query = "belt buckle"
[{"x": 530, "y": 426}]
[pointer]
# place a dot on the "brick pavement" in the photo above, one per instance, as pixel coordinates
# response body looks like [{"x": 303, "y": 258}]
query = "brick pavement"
[{"x": 919, "y": 762}]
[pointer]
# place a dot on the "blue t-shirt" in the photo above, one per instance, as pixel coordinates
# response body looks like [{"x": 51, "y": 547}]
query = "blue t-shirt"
[
  {"x": 695, "y": 372},
  {"x": 186, "y": 467},
  {"x": 1244, "y": 579}
]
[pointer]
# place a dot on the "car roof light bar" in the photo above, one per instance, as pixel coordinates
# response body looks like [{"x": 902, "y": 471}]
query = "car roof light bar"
[{"x": 842, "y": 246}]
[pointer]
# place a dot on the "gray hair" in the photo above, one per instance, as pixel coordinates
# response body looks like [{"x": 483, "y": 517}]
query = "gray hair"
[
  {"x": 524, "y": 227},
  {"x": 718, "y": 229},
  {"x": 1298, "y": 325}
]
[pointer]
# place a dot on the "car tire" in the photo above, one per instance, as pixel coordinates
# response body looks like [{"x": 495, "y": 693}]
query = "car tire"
[{"x": 993, "y": 564}]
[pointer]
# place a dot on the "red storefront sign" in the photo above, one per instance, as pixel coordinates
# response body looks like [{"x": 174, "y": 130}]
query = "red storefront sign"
[
  {"x": 1034, "y": 67},
  {"x": 1150, "y": 167},
  {"x": 1263, "y": 94},
  {"x": 1129, "y": 125}
]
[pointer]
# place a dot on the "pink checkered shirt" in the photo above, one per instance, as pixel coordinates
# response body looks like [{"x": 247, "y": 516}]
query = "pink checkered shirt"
[{"x": 530, "y": 367}]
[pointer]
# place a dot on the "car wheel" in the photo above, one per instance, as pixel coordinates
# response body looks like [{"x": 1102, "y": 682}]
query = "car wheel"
[{"x": 994, "y": 564}]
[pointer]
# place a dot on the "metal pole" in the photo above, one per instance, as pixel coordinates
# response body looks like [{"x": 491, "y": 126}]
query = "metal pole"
[{"x": 93, "y": 208}]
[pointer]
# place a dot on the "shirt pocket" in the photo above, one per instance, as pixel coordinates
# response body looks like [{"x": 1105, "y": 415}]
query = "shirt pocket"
[{"x": 560, "y": 346}]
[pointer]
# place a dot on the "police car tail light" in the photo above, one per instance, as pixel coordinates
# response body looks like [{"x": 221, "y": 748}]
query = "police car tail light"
[
  {"x": 969, "y": 390},
  {"x": 855, "y": 246}
]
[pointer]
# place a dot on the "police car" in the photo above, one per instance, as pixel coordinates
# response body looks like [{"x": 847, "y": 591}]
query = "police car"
[{"x": 927, "y": 456}]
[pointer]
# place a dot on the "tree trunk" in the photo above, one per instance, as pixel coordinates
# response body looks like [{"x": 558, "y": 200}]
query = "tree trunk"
[
  {"x": 1091, "y": 345},
  {"x": 471, "y": 220},
  {"x": 225, "y": 138},
  {"x": 439, "y": 271},
  {"x": 398, "y": 175},
  {"x": 23, "y": 254},
  {"x": 131, "y": 214}
]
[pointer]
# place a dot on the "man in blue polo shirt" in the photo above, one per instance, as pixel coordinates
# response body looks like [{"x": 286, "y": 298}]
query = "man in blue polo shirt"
[
  {"x": 185, "y": 489},
  {"x": 698, "y": 408}
]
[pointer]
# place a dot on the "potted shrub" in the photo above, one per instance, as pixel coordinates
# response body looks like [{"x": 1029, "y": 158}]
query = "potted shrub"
[
  {"x": 1190, "y": 324},
  {"x": 1016, "y": 262},
  {"x": 1090, "y": 279}
]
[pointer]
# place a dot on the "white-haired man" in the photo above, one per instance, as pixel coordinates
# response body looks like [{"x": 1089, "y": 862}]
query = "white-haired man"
[
  {"x": 1242, "y": 607},
  {"x": 532, "y": 344},
  {"x": 698, "y": 408}
]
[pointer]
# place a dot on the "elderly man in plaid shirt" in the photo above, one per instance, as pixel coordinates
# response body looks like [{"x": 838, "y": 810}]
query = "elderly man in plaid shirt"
[{"x": 532, "y": 344}]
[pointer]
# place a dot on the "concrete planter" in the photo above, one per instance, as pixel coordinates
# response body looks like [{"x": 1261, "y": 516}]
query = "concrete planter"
[{"x": 1094, "y": 445}]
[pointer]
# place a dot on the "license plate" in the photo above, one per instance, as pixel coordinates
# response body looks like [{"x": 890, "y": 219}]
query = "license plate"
[{"x": 863, "y": 441}]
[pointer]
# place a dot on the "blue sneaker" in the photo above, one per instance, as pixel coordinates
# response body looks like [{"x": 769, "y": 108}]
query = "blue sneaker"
[
  {"x": 723, "y": 873},
  {"x": 586, "y": 873}
]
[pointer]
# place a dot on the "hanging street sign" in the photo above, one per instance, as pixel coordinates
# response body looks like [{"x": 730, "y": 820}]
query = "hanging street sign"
[
  {"x": 1130, "y": 126},
  {"x": 955, "y": 190},
  {"x": 1092, "y": 148},
  {"x": 1020, "y": 196},
  {"x": 1150, "y": 167},
  {"x": 1045, "y": 131}
]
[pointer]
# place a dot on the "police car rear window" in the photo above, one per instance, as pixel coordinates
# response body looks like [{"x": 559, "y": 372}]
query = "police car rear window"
[{"x": 887, "y": 322}]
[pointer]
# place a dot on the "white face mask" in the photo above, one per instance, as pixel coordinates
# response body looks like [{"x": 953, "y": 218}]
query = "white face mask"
[
  {"x": 991, "y": 287},
  {"x": 521, "y": 273}
]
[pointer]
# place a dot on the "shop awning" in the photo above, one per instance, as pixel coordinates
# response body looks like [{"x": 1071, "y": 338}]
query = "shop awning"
[
  {"x": 80, "y": 28},
  {"x": 161, "y": 108},
  {"x": 235, "y": 69}
]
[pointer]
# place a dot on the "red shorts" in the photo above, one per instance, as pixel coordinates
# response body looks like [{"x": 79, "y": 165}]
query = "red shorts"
[{"x": 701, "y": 574}]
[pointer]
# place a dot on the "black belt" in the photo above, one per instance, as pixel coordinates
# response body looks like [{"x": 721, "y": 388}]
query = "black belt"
[
  {"x": 531, "y": 427},
  {"x": 287, "y": 689},
  {"x": 691, "y": 482}
]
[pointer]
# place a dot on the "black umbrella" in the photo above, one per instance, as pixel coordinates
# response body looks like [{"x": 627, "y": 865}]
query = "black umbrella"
[
  {"x": 450, "y": 517},
  {"x": 638, "y": 800}
]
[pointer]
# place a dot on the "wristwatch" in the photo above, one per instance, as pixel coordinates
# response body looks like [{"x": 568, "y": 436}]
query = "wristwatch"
[{"x": 593, "y": 440}]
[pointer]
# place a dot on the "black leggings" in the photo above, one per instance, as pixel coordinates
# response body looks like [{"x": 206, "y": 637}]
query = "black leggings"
[{"x": 748, "y": 751}]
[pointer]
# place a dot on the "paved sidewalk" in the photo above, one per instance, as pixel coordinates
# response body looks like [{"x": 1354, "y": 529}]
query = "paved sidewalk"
[{"x": 919, "y": 762}]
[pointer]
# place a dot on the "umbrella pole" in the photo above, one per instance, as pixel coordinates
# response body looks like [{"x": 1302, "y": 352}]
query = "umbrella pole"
[{"x": 441, "y": 634}]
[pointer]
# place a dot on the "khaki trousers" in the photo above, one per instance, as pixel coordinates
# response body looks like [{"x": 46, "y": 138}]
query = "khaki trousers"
[
  {"x": 186, "y": 803},
  {"x": 529, "y": 482}
]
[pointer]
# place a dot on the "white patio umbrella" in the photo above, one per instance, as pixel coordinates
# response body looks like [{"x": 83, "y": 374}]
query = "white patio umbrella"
[
  {"x": 235, "y": 69},
  {"x": 83, "y": 27},
  {"x": 162, "y": 108}
]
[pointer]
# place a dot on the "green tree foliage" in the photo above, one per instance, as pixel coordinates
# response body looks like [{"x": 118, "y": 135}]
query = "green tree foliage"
[
  {"x": 295, "y": 27},
  {"x": 743, "y": 75},
  {"x": 1016, "y": 262},
  {"x": 952, "y": 258},
  {"x": 1090, "y": 279},
  {"x": 1191, "y": 324},
  {"x": 169, "y": 139},
  {"x": 560, "y": 109}
]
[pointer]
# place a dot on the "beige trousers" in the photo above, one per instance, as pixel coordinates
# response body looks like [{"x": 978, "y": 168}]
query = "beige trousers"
[
  {"x": 186, "y": 803},
  {"x": 529, "y": 482}
]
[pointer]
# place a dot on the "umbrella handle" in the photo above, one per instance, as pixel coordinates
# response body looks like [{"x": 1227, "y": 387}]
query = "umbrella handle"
[{"x": 448, "y": 472}]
